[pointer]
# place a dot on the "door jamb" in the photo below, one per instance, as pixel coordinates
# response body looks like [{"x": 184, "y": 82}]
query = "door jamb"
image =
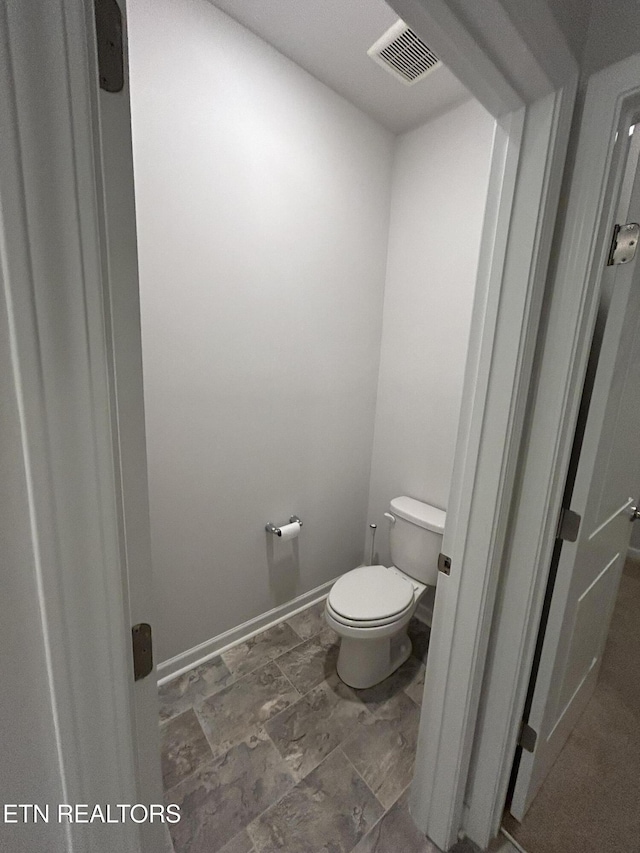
[
  {"x": 532, "y": 132},
  {"x": 564, "y": 352},
  {"x": 52, "y": 239}
]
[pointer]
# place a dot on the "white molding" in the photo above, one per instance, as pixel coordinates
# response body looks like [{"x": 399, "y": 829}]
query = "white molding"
[
  {"x": 52, "y": 245},
  {"x": 513, "y": 58},
  {"x": 508, "y": 54},
  {"x": 450, "y": 38},
  {"x": 499, "y": 370},
  {"x": 570, "y": 319},
  {"x": 203, "y": 652},
  {"x": 121, "y": 297}
]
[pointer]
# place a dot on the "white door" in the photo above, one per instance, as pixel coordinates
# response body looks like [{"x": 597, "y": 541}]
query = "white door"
[{"x": 607, "y": 479}]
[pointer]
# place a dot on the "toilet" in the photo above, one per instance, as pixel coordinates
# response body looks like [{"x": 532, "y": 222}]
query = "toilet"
[{"x": 370, "y": 607}]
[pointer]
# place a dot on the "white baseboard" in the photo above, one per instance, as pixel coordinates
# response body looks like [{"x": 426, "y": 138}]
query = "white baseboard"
[
  {"x": 203, "y": 652},
  {"x": 634, "y": 553}
]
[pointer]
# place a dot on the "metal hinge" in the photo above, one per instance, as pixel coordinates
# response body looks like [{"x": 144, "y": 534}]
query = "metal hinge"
[
  {"x": 142, "y": 650},
  {"x": 624, "y": 243},
  {"x": 444, "y": 564},
  {"x": 109, "y": 43},
  {"x": 568, "y": 525},
  {"x": 528, "y": 737}
]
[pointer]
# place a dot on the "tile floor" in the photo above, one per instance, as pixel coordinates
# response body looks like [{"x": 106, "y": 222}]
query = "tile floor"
[{"x": 265, "y": 749}]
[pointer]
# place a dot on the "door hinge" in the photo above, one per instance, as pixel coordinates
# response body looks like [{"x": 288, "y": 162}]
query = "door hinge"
[
  {"x": 528, "y": 737},
  {"x": 568, "y": 525},
  {"x": 624, "y": 243},
  {"x": 109, "y": 43},
  {"x": 142, "y": 650},
  {"x": 444, "y": 564}
]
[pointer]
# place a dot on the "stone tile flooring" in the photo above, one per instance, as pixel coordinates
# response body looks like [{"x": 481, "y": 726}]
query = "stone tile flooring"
[{"x": 265, "y": 749}]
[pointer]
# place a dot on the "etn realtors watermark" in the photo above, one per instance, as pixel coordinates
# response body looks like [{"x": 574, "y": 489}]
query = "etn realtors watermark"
[{"x": 85, "y": 813}]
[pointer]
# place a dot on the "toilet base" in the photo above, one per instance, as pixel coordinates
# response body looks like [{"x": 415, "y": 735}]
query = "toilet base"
[{"x": 364, "y": 663}]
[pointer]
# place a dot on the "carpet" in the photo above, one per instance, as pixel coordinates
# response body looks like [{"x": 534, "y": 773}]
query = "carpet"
[{"x": 590, "y": 801}]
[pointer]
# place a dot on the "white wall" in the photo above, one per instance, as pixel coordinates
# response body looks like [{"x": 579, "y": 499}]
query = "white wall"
[
  {"x": 440, "y": 179},
  {"x": 262, "y": 202}
]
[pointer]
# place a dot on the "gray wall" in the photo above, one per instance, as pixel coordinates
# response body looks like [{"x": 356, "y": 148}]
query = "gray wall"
[
  {"x": 612, "y": 35},
  {"x": 572, "y": 17},
  {"x": 263, "y": 203},
  {"x": 599, "y": 33},
  {"x": 439, "y": 189}
]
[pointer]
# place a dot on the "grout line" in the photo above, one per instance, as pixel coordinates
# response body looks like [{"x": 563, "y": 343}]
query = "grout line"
[
  {"x": 286, "y": 651},
  {"x": 217, "y": 688},
  {"x": 289, "y": 625},
  {"x": 293, "y": 687},
  {"x": 248, "y": 831},
  {"x": 206, "y": 736},
  {"x": 300, "y": 781},
  {"x": 215, "y": 756},
  {"x": 385, "y": 812},
  {"x": 301, "y": 695},
  {"x": 168, "y": 791},
  {"x": 168, "y": 839},
  {"x": 272, "y": 805},
  {"x": 294, "y": 774},
  {"x": 349, "y": 761},
  {"x": 215, "y": 753},
  {"x": 259, "y": 665}
]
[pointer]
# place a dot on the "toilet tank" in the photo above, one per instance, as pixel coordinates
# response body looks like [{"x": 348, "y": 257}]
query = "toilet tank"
[{"x": 415, "y": 538}]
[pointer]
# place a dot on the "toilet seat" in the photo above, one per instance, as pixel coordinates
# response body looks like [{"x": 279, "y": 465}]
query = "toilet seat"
[
  {"x": 368, "y": 623},
  {"x": 370, "y": 596}
]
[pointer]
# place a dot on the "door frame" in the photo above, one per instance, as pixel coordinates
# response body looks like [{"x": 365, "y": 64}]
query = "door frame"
[
  {"x": 58, "y": 284},
  {"x": 612, "y": 96},
  {"x": 518, "y": 66}
]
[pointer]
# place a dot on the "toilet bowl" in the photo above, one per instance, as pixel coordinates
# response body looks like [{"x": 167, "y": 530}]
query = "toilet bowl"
[{"x": 370, "y": 607}]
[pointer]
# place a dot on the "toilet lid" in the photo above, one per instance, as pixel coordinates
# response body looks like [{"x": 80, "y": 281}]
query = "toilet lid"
[{"x": 370, "y": 592}]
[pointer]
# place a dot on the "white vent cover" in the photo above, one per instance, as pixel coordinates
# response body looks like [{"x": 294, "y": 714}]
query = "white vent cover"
[{"x": 404, "y": 54}]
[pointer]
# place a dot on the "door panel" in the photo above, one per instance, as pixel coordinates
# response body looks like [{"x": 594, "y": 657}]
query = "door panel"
[
  {"x": 587, "y": 631},
  {"x": 606, "y": 484}
]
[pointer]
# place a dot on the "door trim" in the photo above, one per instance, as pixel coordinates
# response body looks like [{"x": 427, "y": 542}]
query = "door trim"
[
  {"x": 564, "y": 351},
  {"x": 52, "y": 240},
  {"x": 533, "y": 102}
]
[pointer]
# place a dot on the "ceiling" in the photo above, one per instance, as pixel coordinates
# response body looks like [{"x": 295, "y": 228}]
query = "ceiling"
[{"x": 330, "y": 39}]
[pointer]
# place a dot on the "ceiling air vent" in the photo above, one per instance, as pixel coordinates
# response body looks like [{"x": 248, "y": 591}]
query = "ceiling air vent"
[{"x": 404, "y": 54}]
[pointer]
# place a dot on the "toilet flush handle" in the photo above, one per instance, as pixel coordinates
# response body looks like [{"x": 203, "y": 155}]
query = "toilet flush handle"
[{"x": 391, "y": 518}]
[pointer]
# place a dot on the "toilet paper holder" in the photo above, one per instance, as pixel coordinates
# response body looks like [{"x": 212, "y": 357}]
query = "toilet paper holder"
[{"x": 271, "y": 528}]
